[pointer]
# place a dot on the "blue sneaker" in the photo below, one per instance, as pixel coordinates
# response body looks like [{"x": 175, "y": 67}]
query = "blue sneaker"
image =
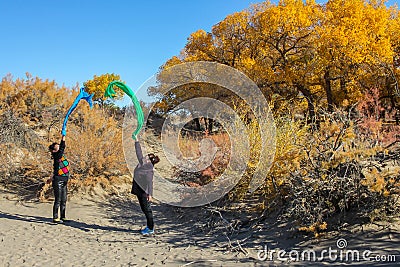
[{"x": 147, "y": 231}]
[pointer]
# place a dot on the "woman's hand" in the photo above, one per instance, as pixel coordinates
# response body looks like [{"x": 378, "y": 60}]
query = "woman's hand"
[{"x": 149, "y": 198}]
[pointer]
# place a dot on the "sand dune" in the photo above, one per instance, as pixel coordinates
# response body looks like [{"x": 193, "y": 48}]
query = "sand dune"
[{"x": 105, "y": 232}]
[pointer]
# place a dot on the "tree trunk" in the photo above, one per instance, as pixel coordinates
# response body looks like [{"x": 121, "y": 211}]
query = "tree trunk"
[
  {"x": 197, "y": 124},
  {"x": 343, "y": 87},
  {"x": 310, "y": 102},
  {"x": 328, "y": 90},
  {"x": 210, "y": 125}
]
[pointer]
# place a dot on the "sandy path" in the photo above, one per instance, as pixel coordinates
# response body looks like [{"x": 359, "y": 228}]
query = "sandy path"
[
  {"x": 97, "y": 235},
  {"x": 105, "y": 232}
]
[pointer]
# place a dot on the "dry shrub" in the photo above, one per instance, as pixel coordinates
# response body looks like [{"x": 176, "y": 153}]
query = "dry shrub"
[
  {"x": 370, "y": 120},
  {"x": 315, "y": 228},
  {"x": 322, "y": 173},
  {"x": 221, "y": 160},
  {"x": 333, "y": 176},
  {"x": 21, "y": 155},
  {"x": 21, "y": 170},
  {"x": 31, "y": 119},
  {"x": 96, "y": 145},
  {"x": 93, "y": 148},
  {"x": 189, "y": 147}
]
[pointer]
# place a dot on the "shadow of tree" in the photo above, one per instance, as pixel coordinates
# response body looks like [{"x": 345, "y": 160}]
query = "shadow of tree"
[
  {"x": 237, "y": 231},
  {"x": 199, "y": 226},
  {"x": 234, "y": 231}
]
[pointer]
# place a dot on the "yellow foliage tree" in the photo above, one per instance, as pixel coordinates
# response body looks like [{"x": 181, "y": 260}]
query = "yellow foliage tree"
[
  {"x": 327, "y": 55},
  {"x": 98, "y": 86},
  {"x": 353, "y": 43}
]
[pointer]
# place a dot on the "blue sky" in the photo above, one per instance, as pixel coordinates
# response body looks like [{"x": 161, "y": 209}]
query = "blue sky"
[{"x": 70, "y": 41}]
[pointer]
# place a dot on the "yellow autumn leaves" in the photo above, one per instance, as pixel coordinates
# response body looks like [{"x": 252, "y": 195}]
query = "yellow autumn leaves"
[{"x": 328, "y": 53}]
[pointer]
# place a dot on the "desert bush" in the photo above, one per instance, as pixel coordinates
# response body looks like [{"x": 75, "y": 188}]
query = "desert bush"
[
  {"x": 322, "y": 172},
  {"x": 370, "y": 117},
  {"x": 31, "y": 118},
  {"x": 20, "y": 149},
  {"x": 95, "y": 146},
  {"x": 189, "y": 147},
  {"x": 335, "y": 173}
]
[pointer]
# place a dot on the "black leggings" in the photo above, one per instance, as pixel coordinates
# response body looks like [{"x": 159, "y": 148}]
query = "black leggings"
[
  {"x": 60, "y": 197},
  {"x": 146, "y": 208}
]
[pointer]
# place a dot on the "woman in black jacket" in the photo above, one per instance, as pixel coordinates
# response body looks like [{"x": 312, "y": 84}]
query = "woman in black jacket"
[
  {"x": 142, "y": 185},
  {"x": 59, "y": 179}
]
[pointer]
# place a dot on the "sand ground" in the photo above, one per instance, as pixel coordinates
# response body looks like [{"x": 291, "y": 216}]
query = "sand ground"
[{"x": 105, "y": 232}]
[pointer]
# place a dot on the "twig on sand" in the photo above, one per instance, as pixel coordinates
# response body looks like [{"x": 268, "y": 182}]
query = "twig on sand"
[
  {"x": 193, "y": 262},
  {"x": 242, "y": 249},
  {"x": 237, "y": 248},
  {"x": 220, "y": 215},
  {"x": 229, "y": 240}
]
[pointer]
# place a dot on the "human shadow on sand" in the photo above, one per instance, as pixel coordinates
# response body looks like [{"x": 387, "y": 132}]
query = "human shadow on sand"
[
  {"x": 179, "y": 227},
  {"x": 70, "y": 223},
  {"x": 25, "y": 218}
]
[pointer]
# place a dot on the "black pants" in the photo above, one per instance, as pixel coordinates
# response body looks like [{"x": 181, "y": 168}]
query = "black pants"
[
  {"x": 146, "y": 208},
  {"x": 60, "y": 197}
]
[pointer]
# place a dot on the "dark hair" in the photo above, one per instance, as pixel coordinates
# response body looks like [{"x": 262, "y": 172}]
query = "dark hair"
[
  {"x": 153, "y": 158},
  {"x": 51, "y": 147}
]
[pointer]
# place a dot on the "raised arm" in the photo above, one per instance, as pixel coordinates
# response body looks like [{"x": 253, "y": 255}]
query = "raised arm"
[
  {"x": 139, "y": 153},
  {"x": 62, "y": 144},
  {"x": 61, "y": 149}
]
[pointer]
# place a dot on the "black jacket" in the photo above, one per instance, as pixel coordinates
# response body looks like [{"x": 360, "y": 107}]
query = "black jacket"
[
  {"x": 60, "y": 162},
  {"x": 143, "y": 175}
]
